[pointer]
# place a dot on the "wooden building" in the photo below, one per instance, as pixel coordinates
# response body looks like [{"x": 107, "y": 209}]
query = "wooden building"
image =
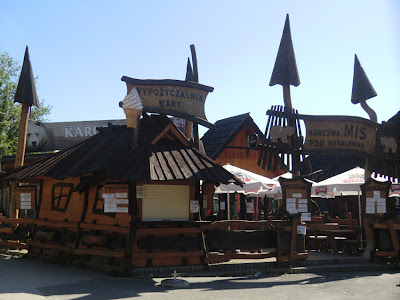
[
  {"x": 100, "y": 197},
  {"x": 236, "y": 140}
]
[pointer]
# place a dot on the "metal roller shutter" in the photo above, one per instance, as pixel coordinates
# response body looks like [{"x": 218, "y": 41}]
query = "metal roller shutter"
[{"x": 166, "y": 202}]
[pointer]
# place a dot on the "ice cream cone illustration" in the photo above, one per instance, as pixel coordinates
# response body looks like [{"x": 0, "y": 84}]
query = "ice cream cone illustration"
[{"x": 133, "y": 106}]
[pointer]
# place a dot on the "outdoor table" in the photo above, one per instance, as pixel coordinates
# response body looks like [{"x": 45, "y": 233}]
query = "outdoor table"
[{"x": 334, "y": 234}]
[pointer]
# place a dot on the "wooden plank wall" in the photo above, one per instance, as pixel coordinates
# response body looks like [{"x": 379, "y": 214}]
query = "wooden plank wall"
[{"x": 239, "y": 155}]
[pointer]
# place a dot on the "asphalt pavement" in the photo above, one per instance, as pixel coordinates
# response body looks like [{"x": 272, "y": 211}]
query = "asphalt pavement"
[{"x": 32, "y": 279}]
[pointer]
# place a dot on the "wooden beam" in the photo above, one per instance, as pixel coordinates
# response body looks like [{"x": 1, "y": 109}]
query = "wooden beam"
[
  {"x": 56, "y": 224},
  {"x": 111, "y": 228},
  {"x": 49, "y": 246},
  {"x": 98, "y": 252}
]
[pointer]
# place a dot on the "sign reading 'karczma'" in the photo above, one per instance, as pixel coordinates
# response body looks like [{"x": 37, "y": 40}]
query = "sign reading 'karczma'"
[
  {"x": 184, "y": 99},
  {"x": 333, "y": 134}
]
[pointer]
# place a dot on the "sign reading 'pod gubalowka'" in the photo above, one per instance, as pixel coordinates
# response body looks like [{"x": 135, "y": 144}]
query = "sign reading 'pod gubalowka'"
[
  {"x": 333, "y": 134},
  {"x": 184, "y": 99}
]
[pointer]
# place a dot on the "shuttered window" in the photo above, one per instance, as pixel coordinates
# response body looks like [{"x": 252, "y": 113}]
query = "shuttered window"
[{"x": 166, "y": 202}]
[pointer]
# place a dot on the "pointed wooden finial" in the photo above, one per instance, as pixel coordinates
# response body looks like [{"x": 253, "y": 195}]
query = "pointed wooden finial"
[
  {"x": 194, "y": 61},
  {"x": 285, "y": 69},
  {"x": 26, "y": 90},
  {"x": 362, "y": 88},
  {"x": 189, "y": 72}
]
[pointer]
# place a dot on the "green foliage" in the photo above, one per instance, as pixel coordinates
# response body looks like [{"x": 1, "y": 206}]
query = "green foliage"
[{"x": 9, "y": 111}]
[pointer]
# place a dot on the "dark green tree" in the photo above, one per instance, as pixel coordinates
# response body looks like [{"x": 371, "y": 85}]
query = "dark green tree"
[{"x": 9, "y": 111}]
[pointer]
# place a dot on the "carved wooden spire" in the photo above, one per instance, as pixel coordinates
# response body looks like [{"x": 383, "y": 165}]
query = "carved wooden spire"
[
  {"x": 285, "y": 69},
  {"x": 26, "y": 90},
  {"x": 362, "y": 89}
]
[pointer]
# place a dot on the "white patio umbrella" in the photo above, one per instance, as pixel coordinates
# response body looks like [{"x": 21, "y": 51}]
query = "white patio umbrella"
[
  {"x": 346, "y": 184},
  {"x": 254, "y": 185}
]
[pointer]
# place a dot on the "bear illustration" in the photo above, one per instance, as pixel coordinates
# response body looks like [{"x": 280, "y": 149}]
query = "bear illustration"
[
  {"x": 39, "y": 137},
  {"x": 282, "y": 133},
  {"x": 389, "y": 143}
]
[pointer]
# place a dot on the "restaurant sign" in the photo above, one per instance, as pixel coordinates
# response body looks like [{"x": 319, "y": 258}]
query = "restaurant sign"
[
  {"x": 343, "y": 134},
  {"x": 183, "y": 99}
]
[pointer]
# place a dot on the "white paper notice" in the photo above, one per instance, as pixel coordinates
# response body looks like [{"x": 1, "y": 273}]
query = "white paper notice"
[
  {"x": 303, "y": 208},
  {"x": 26, "y": 196},
  {"x": 297, "y": 195},
  {"x": 301, "y": 229},
  {"x": 140, "y": 192},
  {"x": 381, "y": 209},
  {"x": 250, "y": 207},
  {"x": 377, "y": 194},
  {"x": 194, "y": 206},
  {"x": 222, "y": 205},
  {"x": 291, "y": 200},
  {"x": 306, "y": 217},
  {"x": 291, "y": 206},
  {"x": 121, "y": 195},
  {"x": 110, "y": 205},
  {"x": 122, "y": 201},
  {"x": 303, "y": 201},
  {"x": 381, "y": 201},
  {"x": 370, "y": 207},
  {"x": 108, "y": 195},
  {"x": 292, "y": 211}
]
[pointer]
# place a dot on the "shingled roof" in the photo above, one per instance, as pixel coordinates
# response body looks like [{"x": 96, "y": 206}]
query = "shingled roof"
[
  {"x": 162, "y": 154},
  {"x": 215, "y": 140}
]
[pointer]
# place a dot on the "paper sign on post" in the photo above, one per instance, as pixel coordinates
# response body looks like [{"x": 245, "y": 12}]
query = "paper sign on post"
[
  {"x": 303, "y": 208},
  {"x": 381, "y": 209},
  {"x": 110, "y": 205},
  {"x": 122, "y": 201},
  {"x": 291, "y": 206},
  {"x": 194, "y": 206},
  {"x": 306, "y": 217},
  {"x": 121, "y": 195},
  {"x": 140, "y": 191},
  {"x": 301, "y": 229},
  {"x": 250, "y": 207}
]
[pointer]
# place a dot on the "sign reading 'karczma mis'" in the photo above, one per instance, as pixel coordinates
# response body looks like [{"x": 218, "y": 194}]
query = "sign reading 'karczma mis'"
[
  {"x": 184, "y": 99},
  {"x": 333, "y": 134}
]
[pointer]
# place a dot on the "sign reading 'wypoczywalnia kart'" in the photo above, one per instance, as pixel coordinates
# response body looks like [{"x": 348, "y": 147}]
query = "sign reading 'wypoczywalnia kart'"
[
  {"x": 333, "y": 134},
  {"x": 184, "y": 99}
]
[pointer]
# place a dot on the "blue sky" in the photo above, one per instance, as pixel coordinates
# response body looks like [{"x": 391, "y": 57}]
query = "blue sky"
[{"x": 81, "y": 49}]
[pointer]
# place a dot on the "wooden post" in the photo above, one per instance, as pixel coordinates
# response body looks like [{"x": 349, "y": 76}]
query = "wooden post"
[
  {"x": 292, "y": 254},
  {"x": 188, "y": 129},
  {"x": 369, "y": 236},
  {"x": 23, "y": 128},
  {"x": 287, "y": 98},
  {"x": 20, "y": 155}
]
